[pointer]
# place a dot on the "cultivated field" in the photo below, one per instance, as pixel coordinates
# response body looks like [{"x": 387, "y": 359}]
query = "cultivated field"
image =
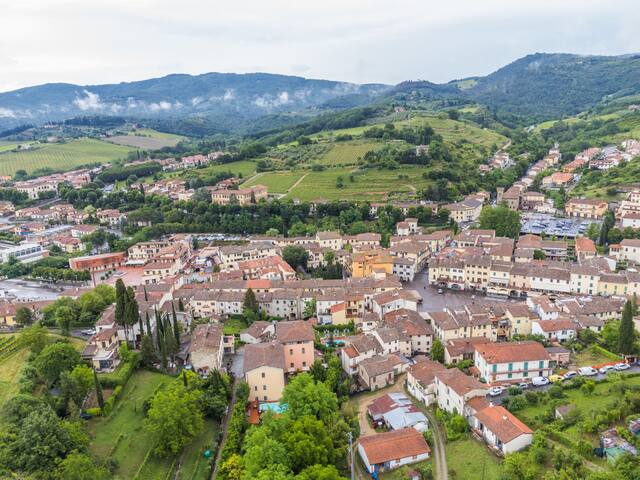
[
  {"x": 61, "y": 156},
  {"x": 367, "y": 185},
  {"x": 276, "y": 182},
  {"x": 147, "y": 139},
  {"x": 347, "y": 153},
  {"x": 243, "y": 168}
]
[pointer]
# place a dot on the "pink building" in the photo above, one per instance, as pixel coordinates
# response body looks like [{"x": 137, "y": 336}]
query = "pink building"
[{"x": 296, "y": 338}]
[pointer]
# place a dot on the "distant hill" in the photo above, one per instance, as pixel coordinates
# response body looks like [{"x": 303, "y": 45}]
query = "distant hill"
[
  {"x": 544, "y": 86},
  {"x": 534, "y": 88},
  {"x": 213, "y": 100}
]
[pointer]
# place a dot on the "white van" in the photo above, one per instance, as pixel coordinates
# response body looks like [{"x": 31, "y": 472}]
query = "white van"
[{"x": 587, "y": 371}]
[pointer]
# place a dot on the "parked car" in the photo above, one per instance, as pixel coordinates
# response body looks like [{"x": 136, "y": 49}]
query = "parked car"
[
  {"x": 587, "y": 371},
  {"x": 523, "y": 385},
  {"x": 495, "y": 391},
  {"x": 569, "y": 375},
  {"x": 621, "y": 366},
  {"x": 440, "y": 291},
  {"x": 539, "y": 381},
  {"x": 555, "y": 378},
  {"x": 606, "y": 369},
  {"x": 89, "y": 331}
]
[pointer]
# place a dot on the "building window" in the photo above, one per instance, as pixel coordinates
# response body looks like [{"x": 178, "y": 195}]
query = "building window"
[{"x": 263, "y": 375}]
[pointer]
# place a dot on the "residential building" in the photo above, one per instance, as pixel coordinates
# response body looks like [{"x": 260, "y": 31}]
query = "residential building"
[
  {"x": 386, "y": 451},
  {"x": 511, "y": 362},
  {"x": 264, "y": 367}
]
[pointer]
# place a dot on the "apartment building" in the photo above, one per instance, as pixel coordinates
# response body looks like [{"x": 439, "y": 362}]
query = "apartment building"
[
  {"x": 511, "y": 362},
  {"x": 590, "y": 208}
]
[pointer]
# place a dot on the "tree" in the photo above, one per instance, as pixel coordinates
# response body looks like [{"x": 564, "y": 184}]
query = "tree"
[
  {"x": 79, "y": 466},
  {"x": 250, "y": 306},
  {"x": 308, "y": 443},
  {"x": 54, "y": 359},
  {"x": 320, "y": 472},
  {"x": 262, "y": 451},
  {"x": 437, "y": 351},
  {"x": 35, "y": 338},
  {"x": 148, "y": 355},
  {"x": 626, "y": 338},
  {"x": 24, "y": 316},
  {"x": 149, "y": 331},
  {"x": 170, "y": 344},
  {"x": 174, "y": 418},
  {"x": 502, "y": 219},
  {"x": 306, "y": 397},
  {"x": 75, "y": 385},
  {"x": 231, "y": 469},
  {"x": 98, "y": 388},
  {"x": 180, "y": 305},
  {"x": 176, "y": 328},
  {"x": 131, "y": 311},
  {"x": 310, "y": 308},
  {"x": 539, "y": 255},
  {"x": 295, "y": 256},
  {"x": 64, "y": 318},
  {"x": 121, "y": 299}
]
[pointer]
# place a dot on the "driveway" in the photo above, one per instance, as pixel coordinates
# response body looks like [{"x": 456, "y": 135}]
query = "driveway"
[
  {"x": 362, "y": 401},
  {"x": 237, "y": 363},
  {"x": 439, "y": 453}
]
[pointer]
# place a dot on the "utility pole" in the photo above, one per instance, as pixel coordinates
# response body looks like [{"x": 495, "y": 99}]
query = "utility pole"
[{"x": 350, "y": 436}]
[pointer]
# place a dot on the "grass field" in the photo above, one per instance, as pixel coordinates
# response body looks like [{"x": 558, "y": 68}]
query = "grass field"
[
  {"x": 121, "y": 435},
  {"x": 62, "y": 156},
  {"x": 147, "y": 139},
  {"x": 276, "y": 182},
  {"x": 233, "y": 326},
  {"x": 368, "y": 185},
  {"x": 11, "y": 366},
  {"x": 469, "y": 458},
  {"x": 589, "y": 358}
]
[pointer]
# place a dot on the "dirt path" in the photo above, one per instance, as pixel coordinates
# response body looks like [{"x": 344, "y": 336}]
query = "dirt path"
[
  {"x": 225, "y": 426},
  {"x": 439, "y": 451},
  {"x": 294, "y": 185}
]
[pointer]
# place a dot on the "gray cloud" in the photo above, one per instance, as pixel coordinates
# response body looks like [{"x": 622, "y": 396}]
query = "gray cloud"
[{"x": 356, "y": 41}]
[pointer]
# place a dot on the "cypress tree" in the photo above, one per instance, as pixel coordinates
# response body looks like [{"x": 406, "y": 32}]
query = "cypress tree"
[
  {"x": 626, "y": 336},
  {"x": 176, "y": 330},
  {"x": 98, "y": 388},
  {"x": 149, "y": 332},
  {"x": 180, "y": 305},
  {"x": 184, "y": 379},
  {"x": 147, "y": 352},
  {"x": 140, "y": 326},
  {"x": 121, "y": 299}
]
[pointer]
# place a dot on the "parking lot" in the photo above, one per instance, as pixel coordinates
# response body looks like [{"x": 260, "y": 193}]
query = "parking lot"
[
  {"x": 497, "y": 400},
  {"x": 538, "y": 223}
]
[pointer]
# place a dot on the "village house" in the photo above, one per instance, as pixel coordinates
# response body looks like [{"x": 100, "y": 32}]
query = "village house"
[
  {"x": 264, "y": 367},
  {"x": 501, "y": 430},
  {"x": 207, "y": 348},
  {"x": 586, "y": 208},
  {"x": 244, "y": 196},
  {"x": 386, "y": 451}
]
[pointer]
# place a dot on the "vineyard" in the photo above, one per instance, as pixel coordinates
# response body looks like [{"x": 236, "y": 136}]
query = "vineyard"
[
  {"x": 61, "y": 156},
  {"x": 8, "y": 347}
]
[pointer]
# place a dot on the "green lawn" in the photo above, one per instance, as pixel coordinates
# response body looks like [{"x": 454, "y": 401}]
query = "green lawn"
[
  {"x": 234, "y": 325},
  {"x": 589, "y": 358},
  {"x": 194, "y": 465},
  {"x": 401, "y": 473},
  {"x": 62, "y": 156},
  {"x": 276, "y": 182},
  {"x": 469, "y": 458},
  {"x": 147, "y": 139},
  {"x": 121, "y": 435}
]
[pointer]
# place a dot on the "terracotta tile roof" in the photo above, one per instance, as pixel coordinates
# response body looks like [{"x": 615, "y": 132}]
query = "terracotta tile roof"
[
  {"x": 294, "y": 331},
  {"x": 459, "y": 382},
  {"x": 263, "y": 355},
  {"x": 425, "y": 371},
  {"x": 557, "y": 325},
  {"x": 512, "y": 352},
  {"x": 502, "y": 423},
  {"x": 384, "y": 447},
  {"x": 206, "y": 337}
]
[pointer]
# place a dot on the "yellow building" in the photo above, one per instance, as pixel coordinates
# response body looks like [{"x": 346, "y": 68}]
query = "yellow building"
[
  {"x": 370, "y": 263},
  {"x": 264, "y": 371}
]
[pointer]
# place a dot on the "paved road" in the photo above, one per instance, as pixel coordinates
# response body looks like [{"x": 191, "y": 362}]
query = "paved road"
[{"x": 439, "y": 453}]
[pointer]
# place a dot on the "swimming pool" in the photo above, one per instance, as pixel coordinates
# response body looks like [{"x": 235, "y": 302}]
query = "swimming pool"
[{"x": 274, "y": 407}]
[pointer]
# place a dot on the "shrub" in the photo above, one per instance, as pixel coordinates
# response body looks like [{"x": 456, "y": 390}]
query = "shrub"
[{"x": 122, "y": 374}]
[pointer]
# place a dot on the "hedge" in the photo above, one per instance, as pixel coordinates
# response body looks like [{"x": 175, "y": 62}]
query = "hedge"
[
  {"x": 606, "y": 353},
  {"x": 237, "y": 425},
  {"x": 122, "y": 374}
]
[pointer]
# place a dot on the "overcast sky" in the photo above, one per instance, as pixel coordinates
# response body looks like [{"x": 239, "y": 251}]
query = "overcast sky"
[{"x": 387, "y": 41}]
